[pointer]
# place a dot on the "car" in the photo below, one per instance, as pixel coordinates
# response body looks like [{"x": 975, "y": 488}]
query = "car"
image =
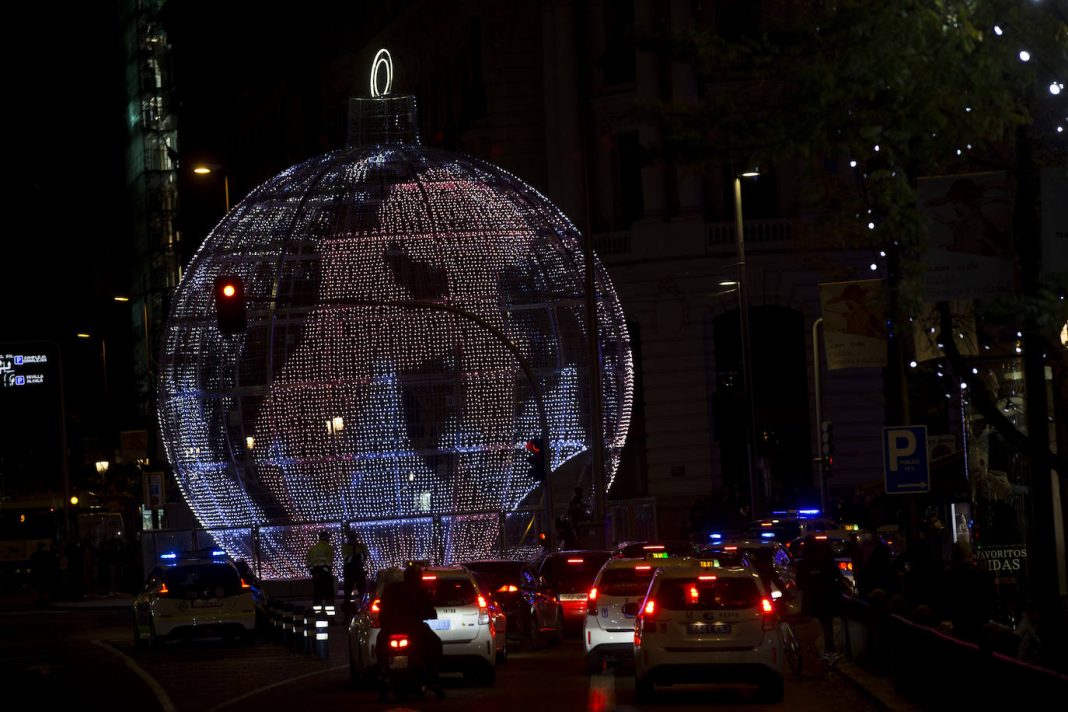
[
  {"x": 568, "y": 575},
  {"x": 772, "y": 562},
  {"x": 608, "y": 632},
  {"x": 842, "y": 543},
  {"x": 464, "y": 623},
  {"x": 706, "y": 625},
  {"x": 193, "y": 594},
  {"x": 790, "y": 524},
  {"x": 656, "y": 549},
  {"x": 533, "y": 613}
]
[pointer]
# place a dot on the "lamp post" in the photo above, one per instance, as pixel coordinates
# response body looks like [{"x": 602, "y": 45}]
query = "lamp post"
[
  {"x": 204, "y": 169},
  {"x": 743, "y": 318}
]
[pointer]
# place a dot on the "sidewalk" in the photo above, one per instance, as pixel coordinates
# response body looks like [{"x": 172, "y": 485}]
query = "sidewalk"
[{"x": 879, "y": 689}]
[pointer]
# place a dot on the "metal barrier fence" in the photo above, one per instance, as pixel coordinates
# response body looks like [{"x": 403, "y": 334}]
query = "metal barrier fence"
[{"x": 276, "y": 551}]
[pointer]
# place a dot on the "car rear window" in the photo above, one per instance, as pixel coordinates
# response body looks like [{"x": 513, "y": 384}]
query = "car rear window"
[
  {"x": 451, "y": 591},
  {"x": 679, "y": 594},
  {"x": 628, "y": 581},
  {"x": 207, "y": 581},
  {"x": 492, "y": 575},
  {"x": 573, "y": 573}
]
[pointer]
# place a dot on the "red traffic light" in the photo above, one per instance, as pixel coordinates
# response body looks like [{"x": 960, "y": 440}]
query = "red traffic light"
[
  {"x": 230, "y": 304},
  {"x": 228, "y": 290}
]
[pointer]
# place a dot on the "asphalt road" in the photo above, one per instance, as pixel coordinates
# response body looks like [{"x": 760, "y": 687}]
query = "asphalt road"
[{"x": 85, "y": 658}]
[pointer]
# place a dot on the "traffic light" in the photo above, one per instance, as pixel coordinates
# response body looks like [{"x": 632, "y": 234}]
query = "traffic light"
[
  {"x": 827, "y": 445},
  {"x": 230, "y": 304},
  {"x": 536, "y": 459}
]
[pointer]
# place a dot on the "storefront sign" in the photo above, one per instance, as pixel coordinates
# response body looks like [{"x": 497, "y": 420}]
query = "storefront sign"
[{"x": 1003, "y": 561}]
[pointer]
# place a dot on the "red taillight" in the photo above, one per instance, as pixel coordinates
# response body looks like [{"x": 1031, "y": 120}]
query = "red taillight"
[
  {"x": 163, "y": 590},
  {"x": 376, "y": 605},
  {"x": 396, "y": 642},
  {"x": 650, "y": 607},
  {"x": 845, "y": 565},
  {"x": 694, "y": 594},
  {"x": 244, "y": 584},
  {"x": 768, "y": 609},
  {"x": 507, "y": 588},
  {"x": 482, "y": 602},
  {"x": 591, "y": 602}
]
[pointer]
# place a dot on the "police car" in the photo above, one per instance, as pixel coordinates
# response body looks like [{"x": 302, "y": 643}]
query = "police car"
[
  {"x": 699, "y": 624},
  {"x": 194, "y": 594},
  {"x": 464, "y": 623},
  {"x": 608, "y": 631}
]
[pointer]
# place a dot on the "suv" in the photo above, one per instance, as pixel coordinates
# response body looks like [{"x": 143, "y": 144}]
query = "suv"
[
  {"x": 569, "y": 575},
  {"x": 700, "y": 624},
  {"x": 464, "y": 624},
  {"x": 194, "y": 594},
  {"x": 608, "y": 630}
]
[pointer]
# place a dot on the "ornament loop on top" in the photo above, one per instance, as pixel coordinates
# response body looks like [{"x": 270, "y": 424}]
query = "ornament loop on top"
[{"x": 382, "y": 59}]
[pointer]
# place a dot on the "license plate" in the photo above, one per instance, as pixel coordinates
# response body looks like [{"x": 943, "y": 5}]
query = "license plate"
[
  {"x": 398, "y": 662},
  {"x": 206, "y": 602},
  {"x": 439, "y": 624},
  {"x": 706, "y": 628}
]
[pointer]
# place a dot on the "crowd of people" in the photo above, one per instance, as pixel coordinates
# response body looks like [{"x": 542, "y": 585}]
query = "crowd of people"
[{"x": 84, "y": 567}]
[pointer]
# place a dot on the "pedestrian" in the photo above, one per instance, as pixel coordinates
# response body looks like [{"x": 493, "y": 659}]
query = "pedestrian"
[
  {"x": 576, "y": 508},
  {"x": 821, "y": 583},
  {"x": 354, "y": 555},
  {"x": 871, "y": 564},
  {"x": 320, "y": 562},
  {"x": 968, "y": 599}
]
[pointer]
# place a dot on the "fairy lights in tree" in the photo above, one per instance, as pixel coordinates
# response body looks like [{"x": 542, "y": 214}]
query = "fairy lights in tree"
[{"x": 350, "y": 396}]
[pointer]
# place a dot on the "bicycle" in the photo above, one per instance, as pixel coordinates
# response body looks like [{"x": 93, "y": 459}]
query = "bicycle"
[{"x": 791, "y": 646}]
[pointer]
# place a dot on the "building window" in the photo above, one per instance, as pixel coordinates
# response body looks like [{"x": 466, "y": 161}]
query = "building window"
[{"x": 618, "y": 59}]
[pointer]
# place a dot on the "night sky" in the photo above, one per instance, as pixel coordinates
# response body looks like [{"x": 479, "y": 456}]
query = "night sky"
[{"x": 65, "y": 128}]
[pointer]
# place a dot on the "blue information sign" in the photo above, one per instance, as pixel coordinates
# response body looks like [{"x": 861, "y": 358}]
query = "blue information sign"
[{"x": 905, "y": 466}]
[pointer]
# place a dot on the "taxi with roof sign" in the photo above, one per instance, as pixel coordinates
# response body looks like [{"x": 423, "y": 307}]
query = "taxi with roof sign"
[
  {"x": 700, "y": 624},
  {"x": 608, "y": 630},
  {"x": 194, "y": 594}
]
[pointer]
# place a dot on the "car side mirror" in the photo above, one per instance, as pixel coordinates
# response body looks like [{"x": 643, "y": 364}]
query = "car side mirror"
[{"x": 630, "y": 609}]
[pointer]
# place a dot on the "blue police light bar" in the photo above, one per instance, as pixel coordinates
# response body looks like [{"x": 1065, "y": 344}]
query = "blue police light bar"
[
  {"x": 767, "y": 535},
  {"x": 809, "y": 512},
  {"x": 715, "y": 536},
  {"x": 168, "y": 556},
  {"x": 218, "y": 552}
]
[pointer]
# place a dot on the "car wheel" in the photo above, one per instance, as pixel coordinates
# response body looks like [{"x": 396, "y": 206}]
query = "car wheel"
[
  {"x": 594, "y": 664},
  {"x": 643, "y": 689},
  {"x": 772, "y": 691},
  {"x": 154, "y": 640},
  {"x": 534, "y": 633}
]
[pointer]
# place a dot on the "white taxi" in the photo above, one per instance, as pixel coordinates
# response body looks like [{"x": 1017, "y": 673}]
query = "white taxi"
[
  {"x": 464, "y": 623},
  {"x": 703, "y": 625},
  {"x": 190, "y": 595},
  {"x": 608, "y": 630}
]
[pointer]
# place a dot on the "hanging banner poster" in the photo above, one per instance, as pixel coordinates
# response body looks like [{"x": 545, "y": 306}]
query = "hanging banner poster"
[
  {"x": 969, "y": 254},
  {"x": 854, "y": 323},
  {"x": 926, "y": 330}
]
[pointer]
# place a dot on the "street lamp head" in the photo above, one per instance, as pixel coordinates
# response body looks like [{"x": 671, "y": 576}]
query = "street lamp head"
[
  {"x": 204, "y": 169},
  {"x": 121, "y": 299},
  {"x": 83, "y": 335},
  {"x": 751, "y": 173}
]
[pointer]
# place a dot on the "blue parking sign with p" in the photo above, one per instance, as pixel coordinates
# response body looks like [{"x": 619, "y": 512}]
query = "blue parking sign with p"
[{"x": 905, "y": 465}]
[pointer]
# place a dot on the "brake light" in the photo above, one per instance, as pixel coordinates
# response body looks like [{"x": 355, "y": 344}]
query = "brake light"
[
  {"x": 245, "y": 584},
  {"x": 821, "y": 537},
  {"x": 163, "y": 590},
  {"x": 643, "y": 567},
  {"x": 430, "y": 577},
  {"x": 482, "y": 602},
  {"x": 574, "y": 561},
  {"x": 706, "y": 578},
  {"x": 693, "y": 594},
  {"x": 591, "y": 602},
  {"x": 376, "y": 605},
  {"x": 652, "y": 547},
  {"x": 396, "y": 642},
  {"x": 845, "y": 565},
  {"x": 650, "y": 607},
  {"x": 730, "y": 548},
  {"x": 768, "y": 609},
  {"x": 507, "y": 588},
  {"x": 483, "y": 611}
]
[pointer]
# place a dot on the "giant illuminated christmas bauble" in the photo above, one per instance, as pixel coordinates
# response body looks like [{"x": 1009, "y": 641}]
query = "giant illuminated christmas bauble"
[{"x": 389, "y": 288}]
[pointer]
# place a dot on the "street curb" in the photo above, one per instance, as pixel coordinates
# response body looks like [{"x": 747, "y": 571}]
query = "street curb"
[{"x": 890, "y": 702}]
